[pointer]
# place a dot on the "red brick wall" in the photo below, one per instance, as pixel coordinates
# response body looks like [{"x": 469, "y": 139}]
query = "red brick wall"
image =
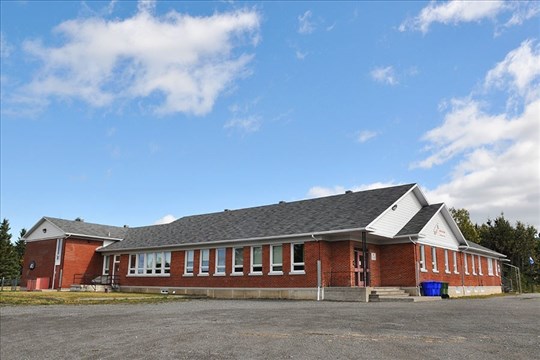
[
  {"x": 458, "y": 279},
  {"x": 177, "y": 278},
  {"x": 80, "y": 257},
  {"x": 375, "y": 265},
  {"x": 397, "y": 265},
  {"x": 43, "y": 253}
]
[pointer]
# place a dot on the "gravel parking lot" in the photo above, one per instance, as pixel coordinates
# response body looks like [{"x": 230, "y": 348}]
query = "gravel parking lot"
[{"x": 500, "y": 327}]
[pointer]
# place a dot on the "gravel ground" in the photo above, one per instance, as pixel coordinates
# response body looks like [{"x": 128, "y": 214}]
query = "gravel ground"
[{"x": 500, "y": 327}]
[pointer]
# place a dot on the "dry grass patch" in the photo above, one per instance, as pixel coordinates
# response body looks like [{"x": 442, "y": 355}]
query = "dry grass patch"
[{"x": 77, "y": 298}]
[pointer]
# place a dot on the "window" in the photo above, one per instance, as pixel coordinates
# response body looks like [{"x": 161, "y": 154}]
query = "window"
[
  {"x": 238, "y": 260},
  {"x": 497, "y": 270},
  {"x": 140, "y": 264},
  {"x": 434, "y": 259},
  {"x": 151, "y": 263},
  {"x": 159, "y": 262},
  {"x": 455, "y": 262},
  {"x": 480, "y": 265},
  {"x": 490, "y": 266},
  {"x": 473, "y": 265},
  {"x": 106, "y": 264},
  {"x": 446, "y": 263},
  {"x": 188, "y": 267},
  {"x": 167, "y": 263},
  {"x": 256, "y": 260},
  {"x": 132, "y": 262},
  {"x": 220, "y": 261},
  {"x": 276, "y": 259},
  {"x": 422, "y": 258},
  {"x": 58, "y": 256},
  {"x": 466, "y": 265},
  {"x": 297, "y": 256},
  {"x": 204, "y": 262}
]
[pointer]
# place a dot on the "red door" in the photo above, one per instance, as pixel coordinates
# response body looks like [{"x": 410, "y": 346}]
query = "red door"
[{"x": 359, "y": 278}]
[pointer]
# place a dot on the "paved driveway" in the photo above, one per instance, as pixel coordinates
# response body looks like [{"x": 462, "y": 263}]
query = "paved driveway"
[{"x": 495, "y": 328}]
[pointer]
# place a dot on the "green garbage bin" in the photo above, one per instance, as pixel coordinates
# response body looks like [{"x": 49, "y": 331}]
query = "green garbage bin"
[{"x": 444, "y": 289}]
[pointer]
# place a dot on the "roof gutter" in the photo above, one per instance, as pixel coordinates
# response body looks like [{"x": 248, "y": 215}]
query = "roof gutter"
[
  {"x": 472, "y": 249},
  {"x": 261, "y": 238}
]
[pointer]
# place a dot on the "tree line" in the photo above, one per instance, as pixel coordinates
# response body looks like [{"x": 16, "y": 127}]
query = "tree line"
[
  {"x": 519, "y": 242},
  {"x": 11, "y": 255}
]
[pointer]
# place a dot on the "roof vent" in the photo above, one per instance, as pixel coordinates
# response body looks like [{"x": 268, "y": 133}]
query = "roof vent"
[
  {"x": 348, "y": 192},
  {"x": 282, "y": 202},
  {"x": 79, "y": 219},
  {"x": 126, "y": 226},
  {"x": 226, "y": 210}
]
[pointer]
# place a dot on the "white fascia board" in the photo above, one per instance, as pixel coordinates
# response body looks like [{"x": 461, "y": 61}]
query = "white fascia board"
[
  {"x": 93, "y": 237},
  {"x": 471, "y": 250},
  {"x": 294, "y": 237}
]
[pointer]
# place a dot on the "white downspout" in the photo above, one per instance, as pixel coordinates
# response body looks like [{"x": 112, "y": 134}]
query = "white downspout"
[{"x": 416, "y": 265}]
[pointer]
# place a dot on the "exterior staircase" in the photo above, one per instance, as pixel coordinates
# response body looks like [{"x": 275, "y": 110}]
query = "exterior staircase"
[{"x": 393, "y": 294}]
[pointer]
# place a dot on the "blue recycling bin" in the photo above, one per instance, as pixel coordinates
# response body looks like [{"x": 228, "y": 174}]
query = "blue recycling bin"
[{"x": 431, "y": 288}]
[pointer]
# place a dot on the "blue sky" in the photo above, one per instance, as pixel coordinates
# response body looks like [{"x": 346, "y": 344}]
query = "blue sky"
[{"x": 143, "y": 112}]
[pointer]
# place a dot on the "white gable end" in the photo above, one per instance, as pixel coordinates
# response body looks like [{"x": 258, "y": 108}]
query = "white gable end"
[
  {"x": 438, "y": 233},
  {"x": 392, "y": 221},
  {"x": 44, "y": 230}
]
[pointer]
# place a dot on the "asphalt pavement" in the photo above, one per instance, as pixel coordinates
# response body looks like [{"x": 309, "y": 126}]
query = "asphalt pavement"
[{"x": 505, "y": 327}]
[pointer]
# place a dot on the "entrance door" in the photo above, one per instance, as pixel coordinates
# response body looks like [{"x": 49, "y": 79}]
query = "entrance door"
[
  {"x": 115, "y": 269},
  {"x": 359, "y": 277}
]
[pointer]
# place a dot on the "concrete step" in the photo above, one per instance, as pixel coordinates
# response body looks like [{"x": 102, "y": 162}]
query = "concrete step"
[{"x": 386, "y": 294}]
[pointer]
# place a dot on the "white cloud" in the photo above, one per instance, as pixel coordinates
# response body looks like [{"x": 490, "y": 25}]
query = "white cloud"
[
  {"x": 185, "y": 60},
  {"x": 385, "y": 75},
  {"x": 320, "y": 191},
  {"x": 455, "y": 12},
  {"x": 247, "y": 124},
  {"x": 165, "y": 220},
  {"x": 305, "y": 25},
  {"x": 365, "y": 135},
  {"x": 301, "y": 55},
  {"x": 5, "y": 47},
  {"x": 497, "y": 158},
  {"x": 518, "y": 71}
]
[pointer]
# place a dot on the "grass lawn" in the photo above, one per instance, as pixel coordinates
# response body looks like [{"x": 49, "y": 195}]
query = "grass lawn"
[{"x": 78, "y": 298}]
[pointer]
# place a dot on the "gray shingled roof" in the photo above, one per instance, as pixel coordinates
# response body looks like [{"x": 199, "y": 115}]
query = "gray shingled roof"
[
  {"x": 419, "y": 220},
  {"x": 88, "y": 229},
  {"x": 333, "y": 213},
  {"x": 475, "y": 246}
]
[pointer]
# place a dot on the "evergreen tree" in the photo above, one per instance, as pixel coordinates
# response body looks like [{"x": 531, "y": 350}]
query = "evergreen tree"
[
  {"x": 9, "y": 267},
  {"x": 463, "y": 220},
  {"x": 20, "y": 246}
]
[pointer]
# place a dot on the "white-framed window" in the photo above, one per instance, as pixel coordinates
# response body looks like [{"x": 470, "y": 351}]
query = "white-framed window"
[
  {"x": 238, "y": 261},
  {"x": 446, "y": 263},
  {"x": 106, "y": 264},
  {"x": 276, "y": 259},
  {"x": 150, "y": 263},
  {"x": 297, "y": 258},
  {"x": 490, "y": 266},
  {"x": 480, "y": 265},
  {"x": 454, "y": 255},
  {"x": 466, "y": 264},
  {"x": 473, "y": 265},
  {"x": 497, "y": 269},
  {"x": 58, "y": 256},
  {"x": 188, "y": 266},
  {"x": 204, "y": 262},
  {"x": 423, "y": 258},
  {"x": 434, "y": 260},
  {"x": 220, "y": 261},
  {"x": 256, "y": 260}
]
